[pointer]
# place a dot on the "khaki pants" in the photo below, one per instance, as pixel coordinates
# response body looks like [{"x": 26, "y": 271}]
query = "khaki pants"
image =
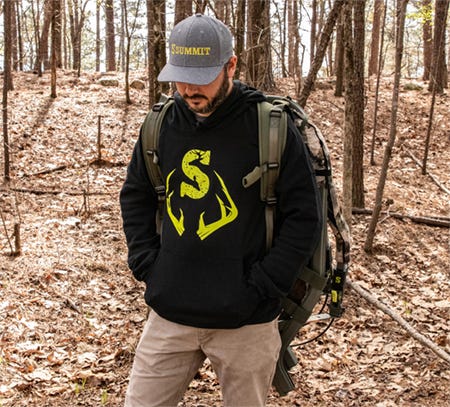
[{"x": 169, "y": 355}]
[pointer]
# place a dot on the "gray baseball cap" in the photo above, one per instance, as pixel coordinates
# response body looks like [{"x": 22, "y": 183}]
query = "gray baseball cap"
[{"x": 199, "y": 47}]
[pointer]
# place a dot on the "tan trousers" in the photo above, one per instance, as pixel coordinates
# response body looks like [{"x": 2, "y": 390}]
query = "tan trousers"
[{"x": 169, "y": 355}]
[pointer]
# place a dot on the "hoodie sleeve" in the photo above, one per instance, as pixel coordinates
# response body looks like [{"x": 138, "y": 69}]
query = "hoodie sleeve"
[
  {"x": 138, "y": 202},
  {"x": 298, "y": 222}
]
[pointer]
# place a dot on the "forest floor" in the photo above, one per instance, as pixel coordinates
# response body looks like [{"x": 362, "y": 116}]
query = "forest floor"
[{"x": 71, "y": 313}]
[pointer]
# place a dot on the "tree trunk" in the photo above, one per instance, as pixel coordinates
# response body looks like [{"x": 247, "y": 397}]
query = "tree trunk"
[
  {"x": 259, "y": 61},
  {"x": 160, "y": 43},
  {"x": 183, "y": 9},
  {"x": 313, "y": 35},
  {"x": 339, "y": 58},
  {"x": 21, "y": 56},
  {"x": 123, "y": 34},
  {"x": 151, "y": 53},
  {"x": 323, "y": 44},
  {"x": 97, "y": 36},
  {"x": 239, "y": 36},
  {"x": 401, "y": 12},
  {"x": 56, "y": 9},
  {"x": 358, "y": 136},
  {"x": 58, "y": 32},
  {"x": 377, "y": 88},
  {"x": 14, "y": 40},
  {"x": 375, "y": 44},
  {"x": 427, "y": 36},
  {"x": 42, "y": 56},
  {"x": 77, "y": 16},
  {"x": 110, "y": 45},
  {"x": 439, "y": 79},
  {"x": 350, "y": 103},
  {"x": 7, "y": 16}
]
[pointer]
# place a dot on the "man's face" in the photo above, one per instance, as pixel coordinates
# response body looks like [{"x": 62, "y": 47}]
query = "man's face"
[{"x": 204, "y": 99}]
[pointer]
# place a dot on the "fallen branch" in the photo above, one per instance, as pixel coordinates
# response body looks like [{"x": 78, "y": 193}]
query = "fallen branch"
[
  {"x": 47, "y": 171},
  {"x": 440, "y": 221},
  {"x": 436, "y": 181},
  {"x": 404, "y": 324},
  {"x": 55, "y": 192}
]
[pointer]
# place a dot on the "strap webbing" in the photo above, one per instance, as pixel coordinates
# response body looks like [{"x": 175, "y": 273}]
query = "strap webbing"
[{"x": 150, "y": 141}]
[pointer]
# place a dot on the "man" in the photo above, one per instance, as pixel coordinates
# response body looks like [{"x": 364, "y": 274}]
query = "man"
[{"x": 214, "y": 290}]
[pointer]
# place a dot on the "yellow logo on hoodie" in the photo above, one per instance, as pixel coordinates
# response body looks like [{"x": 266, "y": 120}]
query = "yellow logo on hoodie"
[{"x": 198, "y": 189}]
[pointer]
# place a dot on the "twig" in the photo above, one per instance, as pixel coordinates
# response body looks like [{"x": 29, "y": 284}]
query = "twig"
[
  {"x": 436, "y": 181},
  {"x": 55, "y": 192},
  {"x": 47, "y": 171},
  {"x": 6, "y": 231},
  {"x": 404, "y": 324},
  {"x": 440, "y": 221}
]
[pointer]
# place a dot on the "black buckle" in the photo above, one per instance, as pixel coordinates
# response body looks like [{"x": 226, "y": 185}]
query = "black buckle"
[
  {"x": 157, "y": 107},
  {"x": 160, "y": 190}
]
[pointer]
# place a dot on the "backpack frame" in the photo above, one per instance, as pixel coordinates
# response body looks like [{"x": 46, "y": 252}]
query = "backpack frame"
[{"x": 322, "y": 275}]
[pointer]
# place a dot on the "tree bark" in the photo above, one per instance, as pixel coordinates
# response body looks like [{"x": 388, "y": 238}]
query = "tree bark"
[
  {"x": 7, "y": 14},
  {"x": 427, "y": 37},
  {"x": 401, "y": 12},
  {"x": 183, "y": 9},
  {"x": 110, "y": 46},
  {"x": 439, "y": 80},
  {"x": 375, "y": 44},
  {"x": 358, "y": 136},
  {"x": 339, "y": 56},
  {"x": 259, "y": 61},
  {"x": 349, "y": 118},
  {"x": 239, "y": 35},
  {"x": 323, "y": 44}
]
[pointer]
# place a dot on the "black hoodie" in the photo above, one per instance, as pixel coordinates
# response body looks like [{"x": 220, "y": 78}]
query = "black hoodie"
[{"x": 209, "y": 268}]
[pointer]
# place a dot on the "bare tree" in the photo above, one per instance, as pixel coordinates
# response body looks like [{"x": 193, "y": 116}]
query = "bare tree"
[
  {"x": 440, "y": 77},
  {"x": 110, "y": 40},
  {"x": 258, "y": 54},
  {"x": 401, "y": 12},
  {"x": 339, "y": 58},
  {"x": 55, "y": 27},
  {"x": 183, "y": 9},
  {"x": 129, "y": 31},
  {"x": 375, "y": 43},
  {"x": 427, "y": 37},
  {"x": 377, "y": 88},
  {"x": 21, "y": 57},
  {"x": 320, "y": 53},
  {"x": 77, "y": 18},
  {"x": 42, "y": 61},
  {"x": 350, "y": 105},
  {"x": 97, "y": 36},
  {"x": 239, "y": 35},
  {"x": 358, "y": 136},
  {"x": 7, "y": 84}
]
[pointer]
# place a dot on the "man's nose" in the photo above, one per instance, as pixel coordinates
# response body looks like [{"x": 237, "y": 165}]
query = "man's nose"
[{"x": 190, "y": 88}]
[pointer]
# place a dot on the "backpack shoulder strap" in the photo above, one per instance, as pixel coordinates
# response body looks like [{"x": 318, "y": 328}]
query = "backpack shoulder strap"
[
  {"x": 150, "y": 141},
  {"x": 272, "y": 129}
]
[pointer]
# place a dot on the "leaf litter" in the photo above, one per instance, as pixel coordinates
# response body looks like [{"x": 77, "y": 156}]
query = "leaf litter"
[{"x": 71, "y": 313}]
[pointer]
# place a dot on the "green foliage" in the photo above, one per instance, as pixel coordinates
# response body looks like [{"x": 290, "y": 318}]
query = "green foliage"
[{"x": 423, "y": 13}]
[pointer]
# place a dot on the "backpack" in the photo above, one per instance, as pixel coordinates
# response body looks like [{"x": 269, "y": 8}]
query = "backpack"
[{"x": 322, "y": 275}]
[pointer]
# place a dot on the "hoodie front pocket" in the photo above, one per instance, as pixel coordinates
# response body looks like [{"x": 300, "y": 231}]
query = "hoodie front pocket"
[{"x": 200, "y": 291}]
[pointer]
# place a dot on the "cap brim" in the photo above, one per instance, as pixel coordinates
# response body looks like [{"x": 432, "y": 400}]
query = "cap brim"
[{"x": 193, "y": 75}]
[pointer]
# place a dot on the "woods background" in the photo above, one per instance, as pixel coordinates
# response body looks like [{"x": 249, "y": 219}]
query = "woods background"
[{"x": 78, "y": 78}]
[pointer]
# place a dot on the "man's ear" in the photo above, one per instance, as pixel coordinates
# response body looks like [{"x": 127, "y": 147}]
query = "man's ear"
[{"x": 232, "y": 63}]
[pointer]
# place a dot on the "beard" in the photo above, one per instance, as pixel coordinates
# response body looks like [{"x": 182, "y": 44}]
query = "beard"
[{"x": 213, "y": 103}]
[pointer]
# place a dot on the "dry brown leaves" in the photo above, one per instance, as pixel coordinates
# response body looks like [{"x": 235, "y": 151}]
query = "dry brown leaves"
[{"x": 71, "y": 314}]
